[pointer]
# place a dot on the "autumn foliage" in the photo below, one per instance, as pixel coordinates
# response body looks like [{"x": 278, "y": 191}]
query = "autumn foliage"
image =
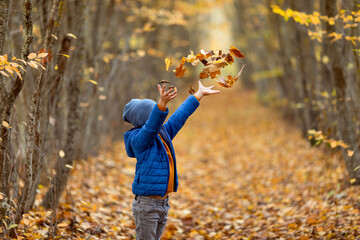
[{"x": 213, "y": 62}]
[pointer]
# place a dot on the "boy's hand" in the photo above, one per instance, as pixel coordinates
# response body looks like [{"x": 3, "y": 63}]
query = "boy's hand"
[
  {"x": 166, "y": 96},
  {"x": 204, "y": 91}
]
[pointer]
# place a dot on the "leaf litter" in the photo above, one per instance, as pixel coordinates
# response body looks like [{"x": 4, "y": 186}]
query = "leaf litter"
[{"x": 244, "y": 172}]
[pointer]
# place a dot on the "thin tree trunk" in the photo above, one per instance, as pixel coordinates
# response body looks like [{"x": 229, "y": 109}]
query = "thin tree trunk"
[
  {"x": 58, "y": 183},
  {"x": 32, "y": 157},
  {"x": 8, "y": 103}
]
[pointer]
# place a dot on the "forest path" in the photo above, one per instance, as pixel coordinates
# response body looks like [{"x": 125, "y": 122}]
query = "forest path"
[{"x": 244, "y": 172}]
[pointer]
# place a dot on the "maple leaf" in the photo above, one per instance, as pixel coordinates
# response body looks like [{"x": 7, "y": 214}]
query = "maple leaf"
[{"x": 234, "y": 51}]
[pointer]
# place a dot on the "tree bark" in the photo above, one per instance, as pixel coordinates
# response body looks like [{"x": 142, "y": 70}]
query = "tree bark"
[
  {"x": 58, "y": 183},
  {"x": 32, "y": 157},
  {"x": 8, "y": 103}
]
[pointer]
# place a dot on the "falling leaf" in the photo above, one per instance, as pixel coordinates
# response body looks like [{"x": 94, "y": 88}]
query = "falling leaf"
[
  {"x": 204, "y": 73},
  {"x": 353, "y": 180},
  {"x": 213, "y": 74},
  {"x": 164, "y": 81},
  {"x": 239, "y": 73},
  {"x": 65, "y": 55},
  {"x": 234, "y": 51},
  {"x": 168, "y": 63},
  {"x": 229, "y": 58},
  {"x": 61, "y": 153},
  {"x": 68, "y": 166},
  {"x": 102, "y": 97},
  {"x": 180, "y": 71},
  {"x": 93, "y": 82},
  {"x": 71, "y": 35},
  {"x": 191, "y": 90}
]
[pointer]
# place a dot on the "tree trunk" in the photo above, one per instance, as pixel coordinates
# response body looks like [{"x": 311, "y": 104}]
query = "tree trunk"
[
  {"x": 8, "y": 103},
  {"x": 32, "y": 159},
  {"x": 58, "y": 183}
]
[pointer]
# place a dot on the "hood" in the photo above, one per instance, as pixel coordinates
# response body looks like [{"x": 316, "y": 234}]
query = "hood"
[{"x": 137, "y": 111}]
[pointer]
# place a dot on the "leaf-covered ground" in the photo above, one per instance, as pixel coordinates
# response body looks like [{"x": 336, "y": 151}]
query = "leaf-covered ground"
[{"x": 244, "y": 173}]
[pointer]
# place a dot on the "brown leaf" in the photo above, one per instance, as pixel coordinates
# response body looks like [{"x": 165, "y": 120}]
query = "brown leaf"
[
  {"x": 229, "y": 58},
  {"x": 164, "y": 81},
  {"x": 204, "y": 73},
  {"x": 213, "y": 74},
  {"x": 191, "y": 90},
  {"x": 234, "y": 51},
  {"x": 200, "y": 56}
]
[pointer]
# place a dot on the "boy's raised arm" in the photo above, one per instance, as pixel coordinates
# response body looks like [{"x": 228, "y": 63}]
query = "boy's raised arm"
[{"x": 143, "y": 138}]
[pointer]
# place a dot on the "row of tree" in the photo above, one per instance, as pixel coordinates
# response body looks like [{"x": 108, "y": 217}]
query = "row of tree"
[
  {"x": 76, "y": 63},
  {"x": 305, "y": 59}
]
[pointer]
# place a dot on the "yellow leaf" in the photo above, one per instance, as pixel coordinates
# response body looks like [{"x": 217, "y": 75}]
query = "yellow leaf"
[
  {"x": 352, "y": 180},
  {"x": 68, "y": 166},
  {"x": 71, "y": 35},
  {"x": 65, "y": 55},
  {"x": 55, "y": 37},
  {"x": 61, "y": 153},
  {"x": 168, "y": 63},
  {"x": 93, "y": 82},
  {"x": 32, "y": 56},
  {"x": 6, "y": 124}
]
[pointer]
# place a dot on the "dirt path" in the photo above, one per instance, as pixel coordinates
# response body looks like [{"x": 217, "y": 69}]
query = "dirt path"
[{"x": 244, "y": 173}]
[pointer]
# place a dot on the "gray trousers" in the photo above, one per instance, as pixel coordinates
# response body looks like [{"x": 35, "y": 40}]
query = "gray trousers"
[{"x": 150, "y": 217}]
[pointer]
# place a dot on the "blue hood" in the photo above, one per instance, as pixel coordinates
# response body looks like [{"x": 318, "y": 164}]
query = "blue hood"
[{"x": 137, "y": 111}]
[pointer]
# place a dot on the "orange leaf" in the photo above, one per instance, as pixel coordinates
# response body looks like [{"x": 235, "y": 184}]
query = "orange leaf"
[
  {"x": 229, "y": 58},
  {"x": 234, "y": 51},
  {"x": 180, "y": 71},
  {"x": 204, "y": 73},
  {"x": 213, "y": 74},
  {"x": 200, "y": 56}
]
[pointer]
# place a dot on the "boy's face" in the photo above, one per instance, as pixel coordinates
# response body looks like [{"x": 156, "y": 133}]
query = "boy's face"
[{"x": 137, "y": 111}]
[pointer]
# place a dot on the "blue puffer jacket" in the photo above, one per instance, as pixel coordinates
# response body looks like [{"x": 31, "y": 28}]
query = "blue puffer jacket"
[{"x": 144, "y": 143}]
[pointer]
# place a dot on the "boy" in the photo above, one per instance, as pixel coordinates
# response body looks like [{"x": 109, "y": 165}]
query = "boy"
[{"x": 150, "y": 143}]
